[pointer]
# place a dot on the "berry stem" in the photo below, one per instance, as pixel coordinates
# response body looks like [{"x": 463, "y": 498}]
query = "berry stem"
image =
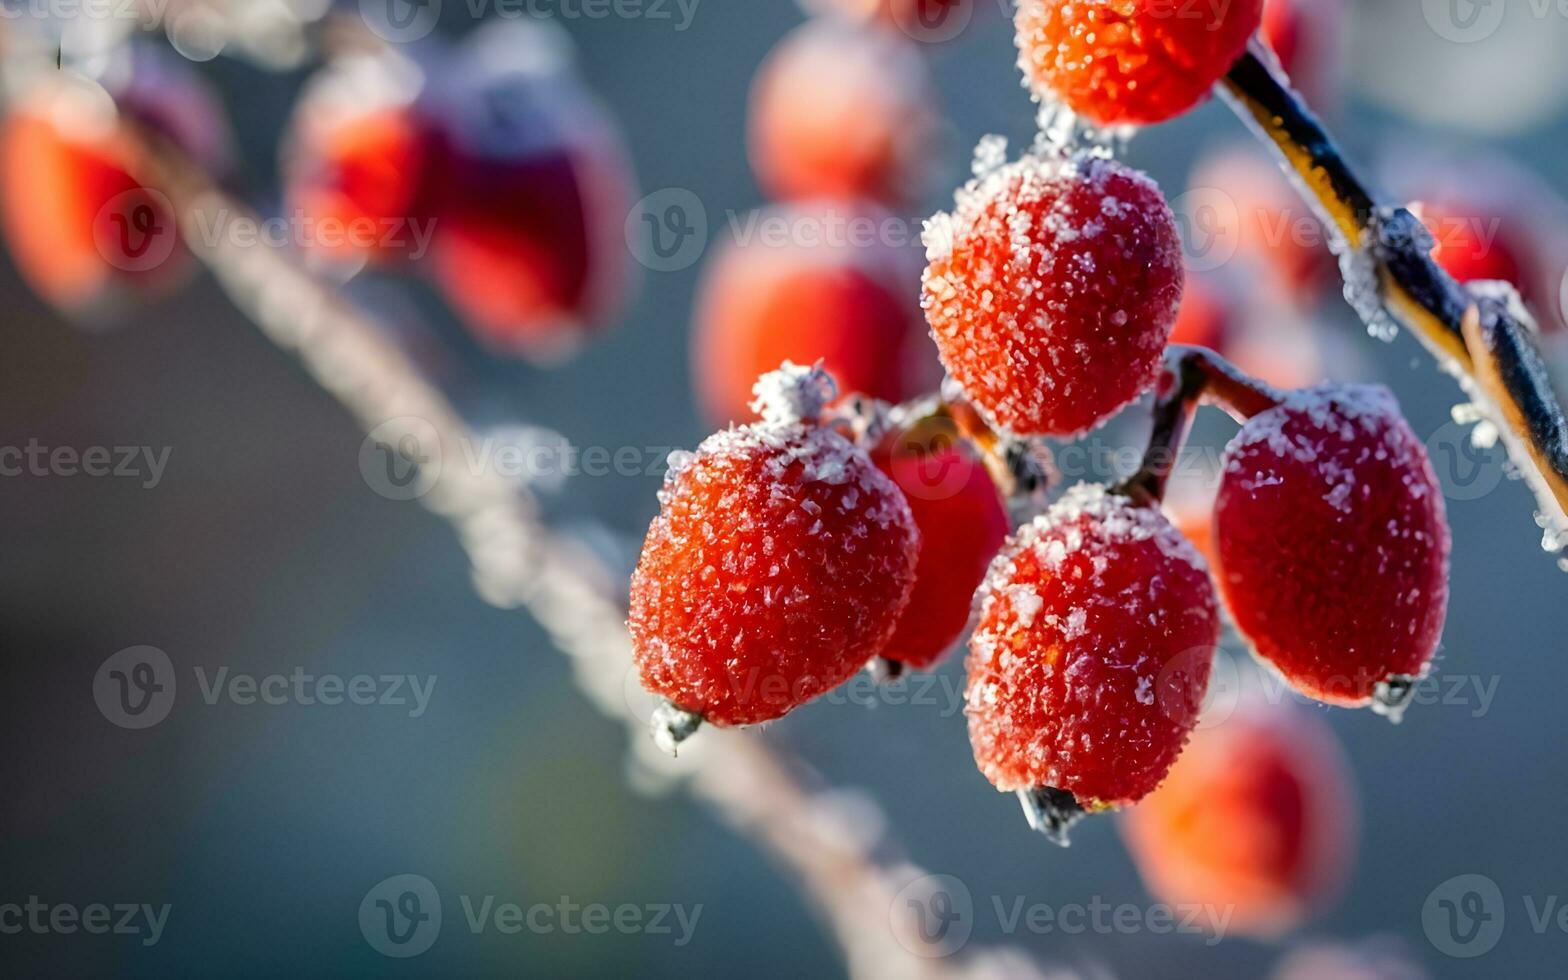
[
  {"x": 1496, "y": 362},
  {"x": 1191, "y": 375},
  {"x": 1020, "y": 468}
]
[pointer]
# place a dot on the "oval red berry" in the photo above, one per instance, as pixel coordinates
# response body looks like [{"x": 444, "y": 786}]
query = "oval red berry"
[
  {"x": 1051, "y": 290},
  {"x": 778, "y": 565},
  {"x": 1097, "y": 630},
  {"x": 1333, "y": 542},
  {"x": 1134, "y": 62}
]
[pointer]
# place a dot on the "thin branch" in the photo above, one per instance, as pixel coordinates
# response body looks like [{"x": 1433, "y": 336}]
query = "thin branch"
[
  {"x": 750, "y": 782},
  {"x": 1191, "y": 375},
  {"x": 1497, "y": 363}
]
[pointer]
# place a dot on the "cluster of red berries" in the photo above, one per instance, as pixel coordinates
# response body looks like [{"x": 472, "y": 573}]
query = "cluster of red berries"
[
  {"x": 494, "y": 156},
  {"x": 784, "y": 558}
]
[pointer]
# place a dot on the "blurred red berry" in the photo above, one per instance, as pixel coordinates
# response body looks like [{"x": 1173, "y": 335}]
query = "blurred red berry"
[
  {"x": 1244, "y": 206},
  {"x": 1474, "y": 243},
  {"x": 777, "y": 567},
  {"x": 533, "y": 192},
  {"x": 1308, "y": 37},
  {"x": 1119, "y": 62},
  {"x": 81, "y": 227},
  {"x": 1052, "y": 289},
  {"x": 962, "y": 523},
  {"x": 1333, "y": 542},
  {"x": 842, "y": 112},
  {"x": 358, "y": 158},
  {"x": 1097, "y": 630},
  {"x": 805, "y": 294},
  {"x": 1257, "y": 816}
]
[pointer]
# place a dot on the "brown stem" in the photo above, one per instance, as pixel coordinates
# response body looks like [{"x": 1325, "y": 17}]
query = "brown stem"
[
  {"x": 1189, "y": 376},
  {"x": 1496, "y": 362}
]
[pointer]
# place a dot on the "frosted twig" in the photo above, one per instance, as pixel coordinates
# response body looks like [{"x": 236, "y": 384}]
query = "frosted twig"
[
  {"x": 1495, "y": 360},
  {"x": 518, "y": 562}
]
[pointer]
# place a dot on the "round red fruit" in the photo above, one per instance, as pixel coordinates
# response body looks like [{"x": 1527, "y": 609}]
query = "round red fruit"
[
  {"x": 962, "y": 523},
  {"x": 1333, "y": 544},
  {"x": 1257, "y": 816},
  {"x": 1133, "y": 62},
  {"x": 764, "y": 300},
  {"x": 1097, "y": 630},
  {"x": 1052, "y": 289},
  {"x": 357, "y": 159},
  {"x": 534, "y": 191},
  {"x": 842, "y": 112},
  {"x": 1474, "y": 243},
  {"x": 80, "y": 224},
  {"x": 777, "y": 567}
]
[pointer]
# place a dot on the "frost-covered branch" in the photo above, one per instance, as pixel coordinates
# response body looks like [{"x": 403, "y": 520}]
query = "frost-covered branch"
[{"x": 1482, "y": 338}]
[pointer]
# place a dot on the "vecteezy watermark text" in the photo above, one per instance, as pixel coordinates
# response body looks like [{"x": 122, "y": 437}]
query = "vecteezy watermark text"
[
  {"x": 43, "y": 918},
  {"x": 142, "y": 463},
  {"x": 401, "y": 917}
]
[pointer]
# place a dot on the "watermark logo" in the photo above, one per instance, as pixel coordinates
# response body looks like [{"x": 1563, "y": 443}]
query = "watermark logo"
[
  {"x": 668, "y": 230},
  {"x": 1210, "y": 226},
  {"x": 400, "y": 21},
  {"x": 401, "y": 916},
  {"x": 1464, "y": 21},
  {"x": 1467, "y": 468},
  {"x": 135, "y": 688},
  {"x": 401, "y": 458},
  {"x": 136, "y": 231},
  {"x": 933, "y": 21},
  {"x": 1464, "y": 916},
  {"x": 933, "y": 916}
]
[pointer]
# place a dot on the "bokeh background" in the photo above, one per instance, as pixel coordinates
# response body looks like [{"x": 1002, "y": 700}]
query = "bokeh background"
[{"x": 263, "y": 549}]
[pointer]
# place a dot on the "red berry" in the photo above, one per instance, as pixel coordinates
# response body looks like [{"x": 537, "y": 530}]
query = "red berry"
[
  {"x": 777, "y": 567},
  {"x": 1130, "y": 61},
  {"x": 1097, "y": 629},
  {"x": 962, "y": 523},
  {"x": 1257, "y": 816},
  {"x": 1474, "y": 243},
  {"x": 1333, "y": 542},
  {"x": 764, "y": 300},
  {"x": 1051, "y": 290},
  {"x": 1245, "y": 204},
  {"x": 357, "y": 159},
  {"x": 80, "y": 225},
  {"x": 533, "y": 193},
  {"x": 842, "y": 112}
]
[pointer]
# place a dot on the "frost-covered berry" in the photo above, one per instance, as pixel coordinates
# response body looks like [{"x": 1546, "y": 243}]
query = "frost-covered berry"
[
  {"x": 813, "y": 294},
  {"x": 1097, "y": 630},
  {"x": 1130, "y": 61},
  {"x": 842, "y": 112},
  {"x": 962, "y": 523},
  {"x": 1333, "y": 544},
  {"x": 777, "y": 567},
  {"x": 1051, "y": 289},
  {"x": 1258, "y": 816}
]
